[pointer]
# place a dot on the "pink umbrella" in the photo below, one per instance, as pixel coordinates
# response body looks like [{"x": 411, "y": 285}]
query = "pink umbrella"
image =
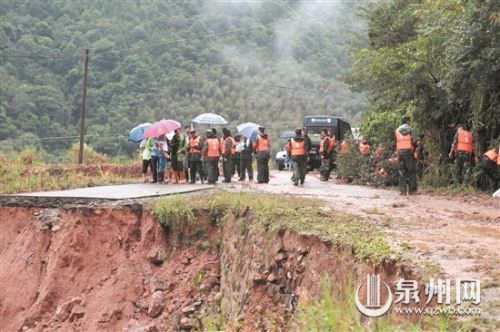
[{"x": 162, "y": 127}]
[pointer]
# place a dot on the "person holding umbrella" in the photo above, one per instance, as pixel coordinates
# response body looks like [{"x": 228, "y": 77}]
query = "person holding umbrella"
[
  {"x": 237, "y": 156},
  {"x": 245, "y": 148},
  {"x": 182, "y": 153},
  {"x": 195, "y": 146},
  {"x": 162, "y": 142},
  {"x": 262, "y": 148},
  {"x": 228, "y": 152},
  {"x": 174, "y": 157},
  {"x": 155, "y": 159},
  {"x": 147, "y": 145}
]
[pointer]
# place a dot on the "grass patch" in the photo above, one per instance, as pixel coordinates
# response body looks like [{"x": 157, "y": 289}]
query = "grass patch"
[
  {"x": 336, "y": 311},
  {"x": 272, "y": 213},
  {"x": 198, "y": 278},
  {"x": 173, "y": 212},
  {"x": 450, "y": 190},
  {"x": 27, "y": 172}
]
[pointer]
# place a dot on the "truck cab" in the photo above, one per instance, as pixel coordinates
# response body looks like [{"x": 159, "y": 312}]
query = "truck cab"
[{"x": 314, "y": 123}]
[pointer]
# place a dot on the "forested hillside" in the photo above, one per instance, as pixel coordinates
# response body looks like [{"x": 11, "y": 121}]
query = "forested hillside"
[
  {"x": 267, "y": 62},
  {"x": 437, "y": 61}
]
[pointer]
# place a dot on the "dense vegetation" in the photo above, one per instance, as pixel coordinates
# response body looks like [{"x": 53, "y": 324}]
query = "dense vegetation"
[
  {"x": 435, "y": 60},
  {"x": 267, "y": 62}
]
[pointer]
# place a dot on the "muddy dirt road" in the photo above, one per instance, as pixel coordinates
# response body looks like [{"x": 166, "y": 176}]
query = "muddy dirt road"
[{"x": 452, "y": 236}]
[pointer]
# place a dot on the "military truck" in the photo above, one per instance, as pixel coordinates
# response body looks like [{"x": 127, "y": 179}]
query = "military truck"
[{"x": 314, "y": 123}]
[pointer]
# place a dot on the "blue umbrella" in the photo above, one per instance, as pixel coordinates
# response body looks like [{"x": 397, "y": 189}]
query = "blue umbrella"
[
  {"x": 137, "y": 133},
  {"x": 248, "y": 129}
]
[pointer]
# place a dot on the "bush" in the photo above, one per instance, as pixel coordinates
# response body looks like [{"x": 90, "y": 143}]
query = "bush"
[
  {"x": 90, "y": 156},
  {"x": 355, "y": 167}
]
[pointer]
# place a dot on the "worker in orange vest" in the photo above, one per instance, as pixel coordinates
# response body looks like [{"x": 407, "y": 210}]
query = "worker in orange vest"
[
  {"x": 364, "y": 147},
  {"x": 405, "y": 144},
  {"x": 490, "y": 163},
  {"x": 344, "y": 145},
  {"x": 297, "y": 150},
  {"x": 211, "y": 153},
  {"x": 379, "y": 152},
  {"x": 195, "y": 146},
  {"x": 237, "y": 156},
  {"x": 262, "y": 148},
  {"x": 228, "y": 152},
  {"x": 326, "y": 148},
  {"x": 462, "y": 150}
]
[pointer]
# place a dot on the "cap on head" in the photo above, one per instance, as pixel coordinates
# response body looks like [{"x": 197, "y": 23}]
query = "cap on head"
[
  {"x": 298, "y": 131},
  {"x": 405, "y": 119},
  {"x": 193, "y": 131},
  {"x": 225, "y": 131}
]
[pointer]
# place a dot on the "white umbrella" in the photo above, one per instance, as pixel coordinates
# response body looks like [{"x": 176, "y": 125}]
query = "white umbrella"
[
  {"x": 248, "y": 129},
  {"x": 210, "y": 119}
]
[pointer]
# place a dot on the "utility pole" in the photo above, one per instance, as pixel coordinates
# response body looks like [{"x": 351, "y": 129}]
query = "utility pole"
[{"x": 84, "y": 106}]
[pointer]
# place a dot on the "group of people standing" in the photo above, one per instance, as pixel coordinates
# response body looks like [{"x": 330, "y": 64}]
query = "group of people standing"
[
  {"x": 406, "y": 163},
  {"x": 298, "y": 149},
  {"x": 462, "y": 151},
  {"x": 191, "y": 157}
]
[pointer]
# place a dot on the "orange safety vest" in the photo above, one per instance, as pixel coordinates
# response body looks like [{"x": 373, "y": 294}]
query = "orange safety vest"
[
  {"x": 364, "y": 148},
  {"x": 194, "y": 144},
  {"x": 403, "y": 142},
  {"x": 213, "y": 148},
  {"x": 493, "y": 156},
  {"x": 344, "y": 147},
  {"x": 331, "y": 144},
  {"x": 262, "y": 144},
  {"x": 298, "y": 148},
  {"x": 233, "y": 145},
  {"x": 464, "y": 141}
]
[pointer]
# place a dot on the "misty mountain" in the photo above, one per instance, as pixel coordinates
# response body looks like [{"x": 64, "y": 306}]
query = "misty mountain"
[{"x": 266, "y": 62}]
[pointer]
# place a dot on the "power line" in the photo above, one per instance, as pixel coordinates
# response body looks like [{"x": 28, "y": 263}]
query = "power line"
[
  {"x": 270, "y": 85},
  {"x": 211, "y": 34},
  {"x": 58, "y": 138},
  {"x": 32, "y": 56}
]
